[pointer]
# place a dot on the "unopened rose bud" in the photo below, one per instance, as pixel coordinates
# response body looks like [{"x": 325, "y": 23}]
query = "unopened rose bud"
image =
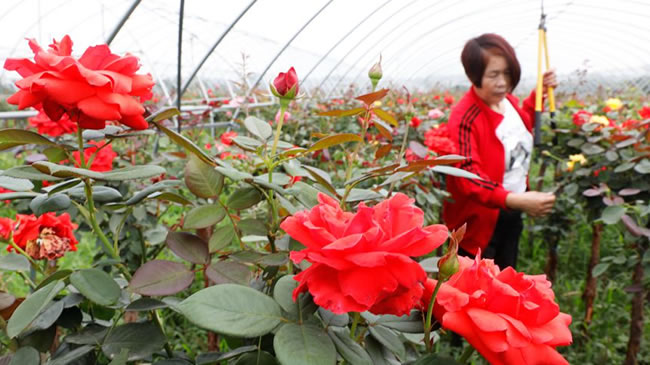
[
  {"x": 285, "y": 86},
  {"x": 448, "y": 265},
  {"x": 375, "y": 74}
]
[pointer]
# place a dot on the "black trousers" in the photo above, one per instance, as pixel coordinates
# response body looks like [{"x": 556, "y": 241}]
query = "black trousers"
[{"x": 503, "y": 246}]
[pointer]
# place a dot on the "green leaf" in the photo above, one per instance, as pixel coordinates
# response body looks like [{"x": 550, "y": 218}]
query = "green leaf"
[
  {"x": 146, "y": 304},
  {"x": 97, "y": 286},
  {"x": 170, "y": 197},
  {"x": 233, "y": 310},
  {"x": 44, "y": 203},
  {"x": 186, "y": 143},
  {"x": 14, "y": 262},
  {"x": 376, "y": 352},
  {"x": 258, "y": 358},
  {"x": 17, "y": 137},
  {"x": 57, "y": 170},
  {"x": 204, "y": 216},
  {"x": 258, "y": 128},
  {"x": 162, "y": 114},
  {"x": 246, "y": 143},
  {"x": 26, "y": 356},
  {"x": 55, "y": 154},
  {"x": 47, "y": 317},
  {"x": 453, "y": 171},
  {"x": 141, "y": 339},
  {"x": 215, "y": 357},
  {"x": 643, "y": 167},
  {"x": 233, "y": 174},
  {"x": 161, "y": 185},
  {"x": 188, "y": 246},
  {"x": 303, "y": 344},
  {"x": 59, "y": 275},
  {"x": 407, "y": 323},
  {"x": 389, "y": 339},
  {"x": 221, "y": 238},
  {"x": 322, "y": 178},
  {"x": 305, "y": 193},
  {"x": 334, "y": 140},
  {"x": 28, "y": 310},
  {"x": 357, "y": 195},
  {"x": 331, "y": 319},
  {"x": 591, "y": 149},
  {"x": 351, "y": 351},
  {"x": 14, "y": 196},
  {"x": 121, "y": 358},
  {"x": 202, "y": 179},
  {"x": 283, "y": 295},
  {"x": 435, "y": 359},
  {"x": 385, "y": 116},
  {"x": 15, "y": 184},
  {"x": 222, "y": 272},
  {"x": 71, "y": 356},
  {"x": 29, "y": 172},
  {"x": 599, "y": 269},
  {"x": 134, "y": 172},
  {"x": 624, "y": 167},
  {"x": 243, "y": 198},
  {"x": 278, "y": 178},
  {"x": 161, "y": 277},
  {"x": 612, "y": 214},
  {"x": 611, "y": 156}
]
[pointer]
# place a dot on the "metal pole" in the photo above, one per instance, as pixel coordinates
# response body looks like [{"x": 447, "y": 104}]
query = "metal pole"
[
  {"x": 180, "y": 53},
  {"x": 304, "y": 79},
  {"x": 214, "y": 46},
  {"x": 119, "y": 25},
  {"x": 259, "y": 78}
]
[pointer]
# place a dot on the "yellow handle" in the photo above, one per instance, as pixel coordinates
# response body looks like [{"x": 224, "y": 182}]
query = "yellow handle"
[
  {"x": 551, "y": 95},
  {"x": 539, "y": 90}
]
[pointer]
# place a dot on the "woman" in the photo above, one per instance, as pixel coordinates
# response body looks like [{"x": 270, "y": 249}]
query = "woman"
[{"x": 495, "y": 136}]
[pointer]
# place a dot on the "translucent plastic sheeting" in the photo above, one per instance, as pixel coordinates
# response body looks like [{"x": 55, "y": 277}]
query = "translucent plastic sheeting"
[{"x": 419, "y": 40}]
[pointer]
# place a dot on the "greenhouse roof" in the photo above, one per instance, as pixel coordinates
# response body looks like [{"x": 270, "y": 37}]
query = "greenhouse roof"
[{"x": 333, "y": 43}]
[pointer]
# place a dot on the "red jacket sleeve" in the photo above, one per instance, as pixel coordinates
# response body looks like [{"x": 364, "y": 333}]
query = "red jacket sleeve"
[{"x": 466, "y": 135}]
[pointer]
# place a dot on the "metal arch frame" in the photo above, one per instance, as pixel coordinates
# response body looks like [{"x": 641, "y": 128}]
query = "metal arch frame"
[
  {"x": 419, "y": 38},
  {"x": 268, "y": 66},
  {"x": 214, "y": 46},
  {"x": 304, "y": 79},
  {"x": 122, "y": 21},
  {"x": 381, "y": 39},
  {"x": 179, "y": 59},
  {"x": 358, "y": 43},
  {"x": 415, "y": 73},
  {"x": 402, "y": 66}
]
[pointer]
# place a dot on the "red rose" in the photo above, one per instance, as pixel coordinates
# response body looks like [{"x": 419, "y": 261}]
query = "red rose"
[
  {"x": 581, "y": 117},
  {"x": 103, "y": 160},
  {"x": 415, "y": 122},
  {"x": 226, "y": 137},
  {"x": 410, "y": 156},
  {"x": 285, "y": 85},
  {"x": 6, "y": 227},
  {"x": 644, "y": 112},
  {"x": 361, "y": 261},
  {"x": 47, "y": 126},
  {"x": 449, "y": 99},
  {"x": 47, "y": 236},
  {"x": 437, "y": 140},
  {"x": 509, "y": 317},
  {"x": 97, "y": 87}
]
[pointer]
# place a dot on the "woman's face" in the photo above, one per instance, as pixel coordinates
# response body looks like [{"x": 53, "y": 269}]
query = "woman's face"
[{"x": 496, "y": 81}]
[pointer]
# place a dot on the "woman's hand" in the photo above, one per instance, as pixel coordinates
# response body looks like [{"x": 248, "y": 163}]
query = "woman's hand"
[
  {"x": 533, "y": 203},
  {"x": 549, "y": 80}
]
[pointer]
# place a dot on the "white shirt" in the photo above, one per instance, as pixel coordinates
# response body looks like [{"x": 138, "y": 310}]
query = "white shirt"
[{"x": 518, "y": 144}]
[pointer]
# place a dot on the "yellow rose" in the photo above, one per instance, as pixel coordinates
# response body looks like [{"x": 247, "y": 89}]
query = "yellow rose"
[
  {"x": 614, "y": 103},
  {"x": 578, "y": 158},
  {"x": 599, "y": 119},
  {"x": 569, "y": 165},
  {"x": 377, "y": 103}
]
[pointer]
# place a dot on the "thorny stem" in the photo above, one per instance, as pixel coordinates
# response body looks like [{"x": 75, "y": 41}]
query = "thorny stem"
[
  {"x": 355, "y": 322},
  {"x": 351, "y": 157},
  {"x": 401, "y": 158}
]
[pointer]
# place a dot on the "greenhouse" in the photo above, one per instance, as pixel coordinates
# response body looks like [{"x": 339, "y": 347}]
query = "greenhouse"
[{"x": 324, "y": 182}]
